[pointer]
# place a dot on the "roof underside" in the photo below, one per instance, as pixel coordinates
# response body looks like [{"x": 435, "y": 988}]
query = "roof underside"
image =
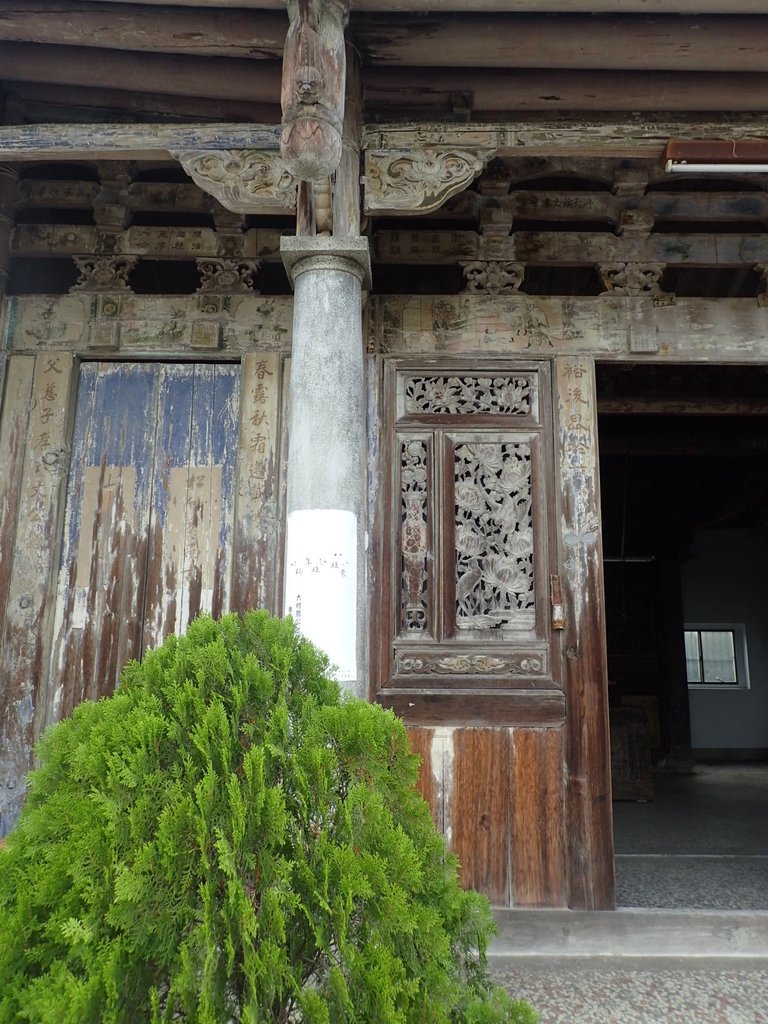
[{"x": 105, "y": 60}]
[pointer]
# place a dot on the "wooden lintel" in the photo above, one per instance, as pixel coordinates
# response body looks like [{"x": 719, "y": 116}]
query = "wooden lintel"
[
  {"x": 119, "y": 141},
  {"x": 631, "y": 136}
]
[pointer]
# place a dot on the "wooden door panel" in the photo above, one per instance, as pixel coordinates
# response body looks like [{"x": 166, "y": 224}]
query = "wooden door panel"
[
  {"x": 149, "y": 517},
  {"x": 100, "y": 595},
  {"x": 468, "y": 549}
]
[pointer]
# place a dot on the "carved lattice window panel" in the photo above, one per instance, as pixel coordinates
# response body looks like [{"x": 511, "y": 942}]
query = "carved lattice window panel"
[{"x": 469, "y": 539}]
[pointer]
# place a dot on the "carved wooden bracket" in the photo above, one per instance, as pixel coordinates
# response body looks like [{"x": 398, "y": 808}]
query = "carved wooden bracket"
[
  {"x": 632, "y": 278},
  {"x": 419, "y": 180},
  {"x": 492, "y": 277},
  {"x": 243, "y": 180}
]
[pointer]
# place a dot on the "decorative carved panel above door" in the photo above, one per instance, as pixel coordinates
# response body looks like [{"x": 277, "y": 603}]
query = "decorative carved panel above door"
[{"x": 468, "y": 541}]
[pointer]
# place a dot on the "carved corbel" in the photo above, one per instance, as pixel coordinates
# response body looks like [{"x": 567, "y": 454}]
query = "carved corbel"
[
  {"x": 243, "y": 180},
  {"x": 493, "y": 277},
  {"x": 313, "y": 84},
  {"x": 227, "y": 277},
  {"x": 634, "y": 279},
  {"x": 103, "y": 273},
  {"x": 418, "y": 180}
]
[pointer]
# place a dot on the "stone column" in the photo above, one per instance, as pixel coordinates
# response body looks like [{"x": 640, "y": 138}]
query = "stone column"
[
  {"x": 324, "y": 586},
  {"x": 9, "y": 178}
]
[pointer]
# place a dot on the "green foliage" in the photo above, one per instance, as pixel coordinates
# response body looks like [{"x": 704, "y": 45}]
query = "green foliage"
[{"x": 227, "y": 840}]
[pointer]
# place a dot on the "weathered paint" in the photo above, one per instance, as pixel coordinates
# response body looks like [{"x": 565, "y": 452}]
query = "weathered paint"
[
  {"x": 150, "y": 507},
  {"x": 35, "y": 434}
]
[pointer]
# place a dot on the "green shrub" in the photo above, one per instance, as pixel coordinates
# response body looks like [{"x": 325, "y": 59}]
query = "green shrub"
[{"x": 226, "y": 840}]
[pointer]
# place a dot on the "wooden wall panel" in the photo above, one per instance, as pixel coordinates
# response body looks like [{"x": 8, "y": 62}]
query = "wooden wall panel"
[
  {"x": 537, "y": 818},
  {"x": 257, "y": 534},
  {"x": 34, "y": 442},
  {"x": 589, "y": 821},
  {"x": 480, "y": 808}
]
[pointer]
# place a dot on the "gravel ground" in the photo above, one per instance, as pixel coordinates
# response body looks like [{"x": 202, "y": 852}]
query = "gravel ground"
[{"x": 581, "y": 993}]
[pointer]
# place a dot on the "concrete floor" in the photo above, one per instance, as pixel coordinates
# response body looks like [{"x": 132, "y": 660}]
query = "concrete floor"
[{"x": 702, "y": 843}]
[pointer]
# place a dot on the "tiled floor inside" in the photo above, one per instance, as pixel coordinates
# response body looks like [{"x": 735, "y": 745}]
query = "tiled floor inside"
[{"x": 701, "y": 843}]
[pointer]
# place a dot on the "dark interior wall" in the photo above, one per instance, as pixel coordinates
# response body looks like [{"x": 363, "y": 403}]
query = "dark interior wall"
[{"x": 724, "y": 581}]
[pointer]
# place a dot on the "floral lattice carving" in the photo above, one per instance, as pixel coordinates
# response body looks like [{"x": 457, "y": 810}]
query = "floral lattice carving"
[
  {"x": 103, "y": 273},
  {"x": 494, "y": 535},
  {"x": 490, "y": 396},
  {"x": 631, "y": 278},
  {"x": 414, "y": 535},
  {"x": 496, "y": 277},
  {"x": 230, "y": 277}
]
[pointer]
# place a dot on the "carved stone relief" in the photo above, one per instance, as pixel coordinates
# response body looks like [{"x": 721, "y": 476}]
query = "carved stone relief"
[
  {"x": 243, "y": 180},
  {"x": 495, "y": 277},
  {"x": 493, "y": 535},
  {"x": 418, "y": 179},
  {"x": 103, "y": 273},
  {"x": 231, "y": 277},
  {"x": 492, "y": 395}
]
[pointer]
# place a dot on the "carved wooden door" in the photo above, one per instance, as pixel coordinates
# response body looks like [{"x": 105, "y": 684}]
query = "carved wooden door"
[{"x": 469, "y": 593}]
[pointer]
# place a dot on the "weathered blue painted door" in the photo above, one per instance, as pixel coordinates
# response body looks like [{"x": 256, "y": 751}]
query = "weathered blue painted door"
[{"x": 149, "y": 517}]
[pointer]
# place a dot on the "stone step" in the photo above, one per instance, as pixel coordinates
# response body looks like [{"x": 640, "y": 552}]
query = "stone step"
[{"x": 635, "y": 933}]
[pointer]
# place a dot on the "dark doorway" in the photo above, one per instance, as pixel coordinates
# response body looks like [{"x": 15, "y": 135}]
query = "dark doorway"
[{"x": 684, "y": 488}]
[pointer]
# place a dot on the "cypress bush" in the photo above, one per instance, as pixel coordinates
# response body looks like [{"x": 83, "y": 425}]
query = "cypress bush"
[{"x": 226, "y": 839}]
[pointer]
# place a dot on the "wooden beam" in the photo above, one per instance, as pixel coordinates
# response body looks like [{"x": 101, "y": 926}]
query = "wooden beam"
[
  {"x": 236, "y": 33},
  {"x": 116, "y": 141},
  {"x": 511, "y": 6},
  {"x": 571, "y": 248},
  {"x": 659, "y": 406},
  {"x": 499, "y": 91},
  {"x": 575, "y": 41},
  {"x": 594, "y": 136},
  {"x": 44, "y": 103},
  {"x": 212, "y": 77},
  {"x": 732, "y": 331}
]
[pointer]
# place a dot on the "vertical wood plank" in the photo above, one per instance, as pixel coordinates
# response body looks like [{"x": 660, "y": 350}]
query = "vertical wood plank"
[
  {"x": 17, "y": 396},
  {"x": 538, "y": 811},
  {"x": 479, "y": 810},
  {"x": 421, "y": 744},
  {"x": 256, "y": 535},
  {"x": 165, "y": 612},
  {"x": 101, "y": 581},
  {"x": 590, "y": 826},
  {"x": 25, "y": 636}
]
